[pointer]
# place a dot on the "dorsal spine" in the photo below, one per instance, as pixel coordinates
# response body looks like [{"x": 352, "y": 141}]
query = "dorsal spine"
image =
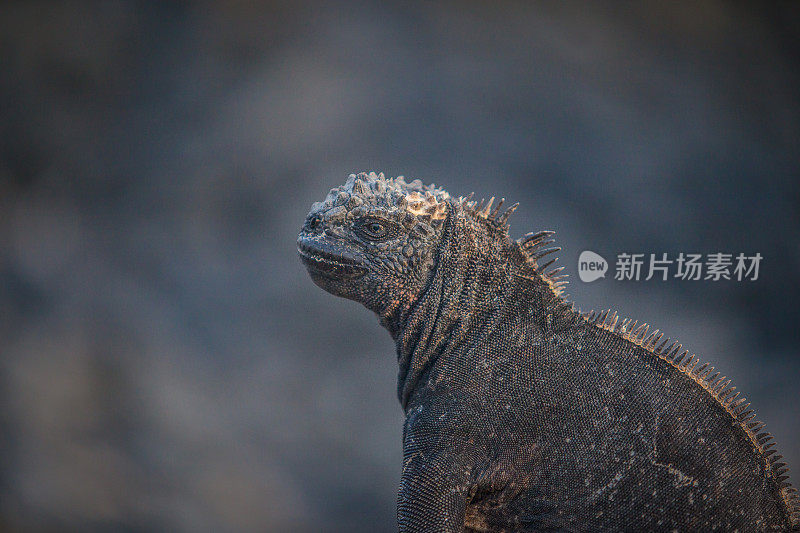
[{"x": 719, "y": 387}]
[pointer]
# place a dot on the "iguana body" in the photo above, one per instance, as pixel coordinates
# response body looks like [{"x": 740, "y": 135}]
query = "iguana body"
[{"x": 521, "y": 413}]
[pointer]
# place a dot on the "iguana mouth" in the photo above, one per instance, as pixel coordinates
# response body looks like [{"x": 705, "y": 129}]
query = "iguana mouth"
[{"x": 327, "y": 263}]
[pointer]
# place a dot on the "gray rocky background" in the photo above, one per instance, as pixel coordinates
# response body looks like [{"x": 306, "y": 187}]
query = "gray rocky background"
[{"x": 165, "y": 362}]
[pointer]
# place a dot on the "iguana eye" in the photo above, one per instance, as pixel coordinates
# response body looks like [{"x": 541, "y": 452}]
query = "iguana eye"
[
  {"x": 314, "y": 222},
  {"x": 375, "y": 230}
]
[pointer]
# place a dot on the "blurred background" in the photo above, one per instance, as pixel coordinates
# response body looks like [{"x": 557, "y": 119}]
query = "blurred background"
[{"x": 165, "y": 362}]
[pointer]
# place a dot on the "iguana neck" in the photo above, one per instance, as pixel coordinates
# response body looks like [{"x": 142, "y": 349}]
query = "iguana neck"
[{"x": 468, "y": 293}]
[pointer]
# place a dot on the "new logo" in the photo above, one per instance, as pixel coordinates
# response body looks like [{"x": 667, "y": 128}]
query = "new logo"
[{"x": 591, "y": 266}]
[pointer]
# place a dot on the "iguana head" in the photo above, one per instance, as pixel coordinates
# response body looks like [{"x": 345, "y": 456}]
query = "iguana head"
[{"x": 374, "y": 239}]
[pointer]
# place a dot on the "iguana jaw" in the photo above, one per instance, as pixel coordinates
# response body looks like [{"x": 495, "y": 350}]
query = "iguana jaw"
[{"x": 328, "y": 261}]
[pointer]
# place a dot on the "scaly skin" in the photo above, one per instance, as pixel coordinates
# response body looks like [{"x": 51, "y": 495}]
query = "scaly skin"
[{"x": 521, "y": 413}]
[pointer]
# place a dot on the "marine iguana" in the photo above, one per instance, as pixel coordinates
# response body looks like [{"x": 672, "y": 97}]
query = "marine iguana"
[{"x": 522, "y": 413}]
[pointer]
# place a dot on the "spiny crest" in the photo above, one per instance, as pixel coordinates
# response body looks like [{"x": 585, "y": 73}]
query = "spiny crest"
[
  {"x": 715, "y": 384},
  {"x": 426, "y": 202},
  {"x": 483, "y": 210},
  {"x": 536, "y": 247}
]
